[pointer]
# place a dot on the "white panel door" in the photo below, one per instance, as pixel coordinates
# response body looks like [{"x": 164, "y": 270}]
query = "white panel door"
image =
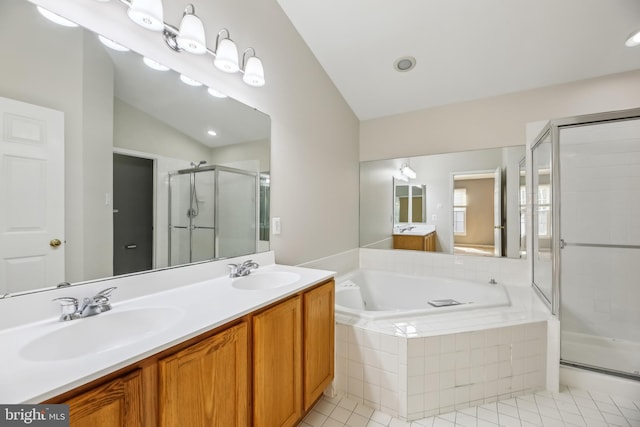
[
  {"x": 497, "y": 212},
  {"x": 31, "y": 196}
]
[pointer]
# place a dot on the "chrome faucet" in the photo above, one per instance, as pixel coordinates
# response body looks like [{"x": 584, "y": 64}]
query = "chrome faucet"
[
  {"x": 243, "y": 269},
  {"x": 99, "y": 303}
]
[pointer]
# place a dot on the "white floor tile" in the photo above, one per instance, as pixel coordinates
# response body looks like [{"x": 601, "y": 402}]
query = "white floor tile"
[{"x": 570, "y": 407}]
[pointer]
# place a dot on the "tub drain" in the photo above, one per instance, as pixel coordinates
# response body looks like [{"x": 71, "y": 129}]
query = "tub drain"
[{"x": 443, "y": 302}]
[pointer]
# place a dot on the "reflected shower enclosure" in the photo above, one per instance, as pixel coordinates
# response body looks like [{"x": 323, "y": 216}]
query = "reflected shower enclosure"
[{"x": 213, "y": 213}]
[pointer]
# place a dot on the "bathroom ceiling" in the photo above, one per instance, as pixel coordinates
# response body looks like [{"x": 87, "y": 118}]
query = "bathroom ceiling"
[{"x": 465, "y": 49}]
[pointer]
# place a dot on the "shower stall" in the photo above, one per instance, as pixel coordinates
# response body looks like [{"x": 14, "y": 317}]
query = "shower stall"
[
  {"x": 213, "y": 213},
  {"x": 586, "y": 237}
]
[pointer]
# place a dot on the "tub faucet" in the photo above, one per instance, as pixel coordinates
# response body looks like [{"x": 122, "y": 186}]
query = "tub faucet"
[
  {"x": 244, "y": 269},
  {"x": 99, "y": 303}
]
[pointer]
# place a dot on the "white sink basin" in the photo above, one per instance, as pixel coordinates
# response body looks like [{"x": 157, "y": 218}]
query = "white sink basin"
[
  {"x": 261, "y": 280},
  {"x": 100, "y": 333}
]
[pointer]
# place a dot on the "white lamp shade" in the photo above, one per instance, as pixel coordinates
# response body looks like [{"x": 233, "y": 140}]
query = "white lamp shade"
[
  {"x": 227, "y": 56},
  {"x": 191, "y": 35},
  {"x": 147, "y": 14},
  {"x": 54, "y": 17},
  {"x": 254, "y": 72},
  {"x": 633, "y": 40}
]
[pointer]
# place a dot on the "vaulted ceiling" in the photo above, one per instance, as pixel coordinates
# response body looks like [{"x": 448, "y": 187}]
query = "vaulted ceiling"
[{"x": 464, "y": 49}]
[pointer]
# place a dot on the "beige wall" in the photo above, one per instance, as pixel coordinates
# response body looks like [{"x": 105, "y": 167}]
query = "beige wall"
[
  {"x": 254, "y": 150},
  {"x": 493, "y": 122},
  {"x": 314, "y": 144}
]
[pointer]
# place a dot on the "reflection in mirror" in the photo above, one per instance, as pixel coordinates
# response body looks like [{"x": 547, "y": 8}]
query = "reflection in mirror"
[
  {"x": 410, "y": 203},
  {"x": 483, "y": 221},
  {"x": 541, "y": 156},
  {"x": 89, "y": 138},
  {"x": 523, "y": 208}
]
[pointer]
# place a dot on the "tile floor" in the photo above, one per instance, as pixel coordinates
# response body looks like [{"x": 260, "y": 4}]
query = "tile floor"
[{"x": 570, "y": 407}]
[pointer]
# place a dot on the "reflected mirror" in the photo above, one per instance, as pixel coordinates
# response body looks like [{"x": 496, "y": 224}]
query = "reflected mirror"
[
  {"x": 110, "y": 165},
  {"x": 463, "y": 203}
]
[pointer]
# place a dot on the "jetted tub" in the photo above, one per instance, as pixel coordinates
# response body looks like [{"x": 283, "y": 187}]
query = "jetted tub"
[{"x": 374, "y": 294}]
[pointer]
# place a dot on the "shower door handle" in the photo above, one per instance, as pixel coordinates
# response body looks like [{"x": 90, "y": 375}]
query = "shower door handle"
[{"x": 562, "y": 244}]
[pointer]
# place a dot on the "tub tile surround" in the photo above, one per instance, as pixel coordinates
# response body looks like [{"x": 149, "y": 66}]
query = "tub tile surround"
[
  {"x": 435, "y": 364},
  {"x": 424, "y": 376}
]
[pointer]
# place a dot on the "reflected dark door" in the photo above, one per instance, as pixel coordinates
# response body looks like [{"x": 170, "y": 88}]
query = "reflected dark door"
[{"x": 132, "y": 214}]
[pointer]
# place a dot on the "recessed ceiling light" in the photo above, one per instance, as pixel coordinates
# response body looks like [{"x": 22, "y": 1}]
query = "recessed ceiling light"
[
  {"x": 56, "y": 18},
  {"x": 404, "y": 63},
  {"x": 212, "y": 132},
  {"x": 215, "y": 93},
  {"x": 633, "y": 39},
  {"x": 189, "y": 81},
  {"x": 154, "y": 65},
  {"x": 112, "y": 45}
]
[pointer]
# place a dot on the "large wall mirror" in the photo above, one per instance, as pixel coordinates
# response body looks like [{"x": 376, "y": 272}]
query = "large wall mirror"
[
  {"x": 110, "y": 165},
  {"x": 466, "y": 203}
]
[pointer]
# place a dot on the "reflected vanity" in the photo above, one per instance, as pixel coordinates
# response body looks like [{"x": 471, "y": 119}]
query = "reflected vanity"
[
  {"x": 113, "y": 107},
  {"x": 463, "y": 203}
]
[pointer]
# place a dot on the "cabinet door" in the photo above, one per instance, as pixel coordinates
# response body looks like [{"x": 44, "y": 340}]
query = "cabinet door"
[
  {"x": 277, "y": 365},
  {"x": 319, "y": 326},
  {"x": 117, "y": 403},
  {"x": 207, "y": 384}
]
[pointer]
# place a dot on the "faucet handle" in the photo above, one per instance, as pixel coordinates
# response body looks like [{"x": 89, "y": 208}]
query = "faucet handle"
[
  {"x": 233, "y": 270},
  {"x": 68, "y": 307},
  {"x": 106, "y": 293}
]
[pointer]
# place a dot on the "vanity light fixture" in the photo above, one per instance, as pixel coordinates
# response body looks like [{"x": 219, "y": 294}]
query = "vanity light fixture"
[
  {"x": 407, "y": 171},
  {"x": 112, "y": 45},
  {"x": 147, "y": 13},
  {"x": 633, "y": 39},
  {"x": 226, "y": 53},
  {"x": 401, "y": 177},
  {"x": 252, "y": 67},
  {"x": 189, "y": 81},
  {"x": 53, "y": 17},
  {"x": 154, "y": 64},
  {"x": 191, "y": 33},
  {"x": 215, "y": 93}
]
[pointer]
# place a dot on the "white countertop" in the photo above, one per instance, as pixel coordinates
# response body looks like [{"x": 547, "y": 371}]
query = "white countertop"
[
  {"x": 197, "y": 308},
  {"x": 416, "y": 230}
]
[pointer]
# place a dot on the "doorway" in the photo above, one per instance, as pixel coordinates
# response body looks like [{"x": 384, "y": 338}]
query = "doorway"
[
  {"x": 477, "y": 213},
  {"x": 132, "y": 214}
]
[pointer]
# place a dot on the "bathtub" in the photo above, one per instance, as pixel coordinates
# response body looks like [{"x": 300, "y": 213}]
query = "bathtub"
[{"x": 373, "y": 294}]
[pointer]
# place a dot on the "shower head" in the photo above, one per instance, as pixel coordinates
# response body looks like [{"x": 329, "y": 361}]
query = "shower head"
[{"x": 200, "y": 163}]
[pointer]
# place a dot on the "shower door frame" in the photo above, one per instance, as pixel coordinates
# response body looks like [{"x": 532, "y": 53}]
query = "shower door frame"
[
  {"x": 215, "y": 169},
  {"x": 553, "y": 128}
]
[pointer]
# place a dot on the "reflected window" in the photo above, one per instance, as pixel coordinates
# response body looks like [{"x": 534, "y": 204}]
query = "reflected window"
[
  {"x": 544, "y": 210},
  {"x": 460, "y": 211}
]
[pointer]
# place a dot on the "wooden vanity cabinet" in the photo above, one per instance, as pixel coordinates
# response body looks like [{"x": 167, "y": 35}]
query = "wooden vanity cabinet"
[
  {"x": 277, "y": 365},
  {"x": 293, "y": 356},
  {"x": 206, "y": 384},
  {"x": 117, "y": 403},
  {"x": 264, "y": 370},
  {"x": 416, "y": 243},
  {"x": 319, "y": 341}
]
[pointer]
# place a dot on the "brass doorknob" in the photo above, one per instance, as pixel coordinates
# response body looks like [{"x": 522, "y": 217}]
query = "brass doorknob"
[{"x": 55, "y": 243}]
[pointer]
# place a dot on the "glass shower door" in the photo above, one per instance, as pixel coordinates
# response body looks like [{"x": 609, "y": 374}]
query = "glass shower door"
[
  {"x": 237, "y": 219},
  {"x": 203, "y": 215},
  {"x": 179, "y": 219},
  {"x": 542, "y": 238},
  {"x": 600, "y": 232}
]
